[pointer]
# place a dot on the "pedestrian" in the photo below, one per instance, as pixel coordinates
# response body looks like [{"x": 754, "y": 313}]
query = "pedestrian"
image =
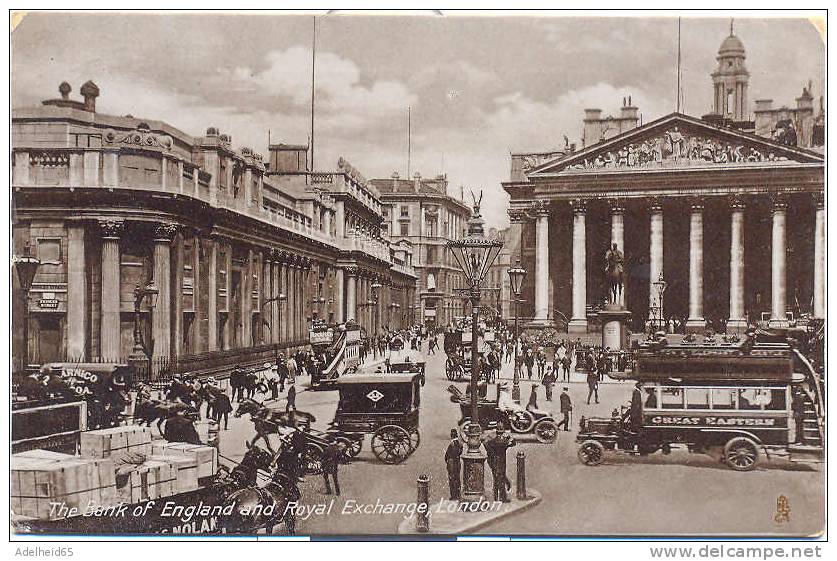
[
  {"x": 330, "y": 463},
  {"x": 292, "y": 398},
  {"x": 533, "y": 399},
  {"x": 282, "y": 371},
  {"x": 453, "y": 461},
  {"x": 566, "y": 364},
  {"x": 592, "y": 385},
  {"x": 566, "y": 408},
  {"x": 530, "y": 362},
  {"x": 548, "y": 382},
  {"x": 496, "y": 450}
]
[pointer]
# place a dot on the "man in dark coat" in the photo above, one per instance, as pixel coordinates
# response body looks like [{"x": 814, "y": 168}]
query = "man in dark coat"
[
  {"x": 636, "y": 407},
  {"x": 282, "y": 371},
  {"x": 548, "y": 381},
  {"x": 453, "y": 460},
  {"x": 566, "y": 408},
  {"x": 291, "y": 398},
  {"x": 798, "y": 409},
  {"x": 496, "y": 449},
  {"x": 592, "y": 385}
]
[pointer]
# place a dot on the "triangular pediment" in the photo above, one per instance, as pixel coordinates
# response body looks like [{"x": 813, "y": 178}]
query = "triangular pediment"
[{"x": 677, "y": 141}]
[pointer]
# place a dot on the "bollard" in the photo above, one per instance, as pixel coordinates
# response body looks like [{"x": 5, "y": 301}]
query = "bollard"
[
  {"x": 422, "y": 519},
  {"x": 521, "y": 476}
]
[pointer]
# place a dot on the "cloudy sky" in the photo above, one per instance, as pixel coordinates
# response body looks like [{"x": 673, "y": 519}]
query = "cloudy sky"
[{"x": 478, "y": 87}]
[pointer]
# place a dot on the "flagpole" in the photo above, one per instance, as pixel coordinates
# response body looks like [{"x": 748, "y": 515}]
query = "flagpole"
[
  {"x": 313, "y": 58},
  {"x": 678, "y": 64}
]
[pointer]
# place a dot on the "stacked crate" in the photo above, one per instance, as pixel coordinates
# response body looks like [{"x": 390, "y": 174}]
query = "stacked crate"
[
  {"x": 120, "y": 444},
  {"x": 206, "y": 457},
  {"x": 43, "y": 481}
]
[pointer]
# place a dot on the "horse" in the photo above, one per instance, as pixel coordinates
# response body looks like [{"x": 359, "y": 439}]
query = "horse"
[
  {"x": 267, "y": 421},
  {"x": 614, "y": 273},
  {"x": 184, "y": 392},
  {"x": 244, "y": 473},
  {"x": 148, "y": 411},
  {"x": 267, "y": 505},
  {"x": 218, "y": 403}
]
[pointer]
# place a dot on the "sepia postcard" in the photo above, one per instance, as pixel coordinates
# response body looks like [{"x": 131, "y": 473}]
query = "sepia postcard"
[{"x": 420, "y": 275}]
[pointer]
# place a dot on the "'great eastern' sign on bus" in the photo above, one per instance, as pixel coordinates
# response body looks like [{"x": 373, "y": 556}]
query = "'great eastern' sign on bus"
[{"x": 715, "y": 421}]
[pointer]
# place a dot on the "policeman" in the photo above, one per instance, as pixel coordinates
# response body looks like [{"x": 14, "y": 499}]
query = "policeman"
[
  {"x": 496, "y": 448},
  {"x": 566, "y": 409},
  {"x": 453, "y": 460}
]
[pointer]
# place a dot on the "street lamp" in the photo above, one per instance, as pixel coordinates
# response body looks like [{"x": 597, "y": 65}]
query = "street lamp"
[
  {"x": 474, "y": 254},
  {"x": 142, "y": 352},
  {"x": 376, "y": 292},
  {"x": 660, "y": 284},
  {"x": 26, "y": 265},
  {"x": 516, "y": 275},
  {"x": 280, "y": 298}
]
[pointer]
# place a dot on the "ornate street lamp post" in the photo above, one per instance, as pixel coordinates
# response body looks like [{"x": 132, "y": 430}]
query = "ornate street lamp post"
[
  {"x": 516, "y": 275},
  {"x": 376, "y": 292},
  {"x": 474, "y": 254},
  {"x": 660, "y": 284},
  {"x": 142, "y": 352},
  {"x": 26, "y": 265}
]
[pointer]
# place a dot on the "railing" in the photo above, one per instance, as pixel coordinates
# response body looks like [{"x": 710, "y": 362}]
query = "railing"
[{"x": 209, "y": 364}]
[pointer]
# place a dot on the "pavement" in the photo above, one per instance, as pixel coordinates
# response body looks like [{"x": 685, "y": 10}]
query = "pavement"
[{"x": 678, "y": 494}]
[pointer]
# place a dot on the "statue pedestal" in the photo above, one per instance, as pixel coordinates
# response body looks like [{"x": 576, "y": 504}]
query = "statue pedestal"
[{"x": 614, "y": 331}]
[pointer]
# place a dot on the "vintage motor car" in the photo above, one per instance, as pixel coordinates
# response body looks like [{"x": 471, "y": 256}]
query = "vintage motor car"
[{"x": 733, "y": 401}]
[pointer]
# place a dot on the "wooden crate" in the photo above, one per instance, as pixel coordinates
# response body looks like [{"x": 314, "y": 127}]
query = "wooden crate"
[
  {"x": 79, "y": 483},
  {"x": 206, "y": 456},
  {"x": 187, "y": 470},
  {"x": 116, "y": 443},
  {"x": 151, "y": 479}
]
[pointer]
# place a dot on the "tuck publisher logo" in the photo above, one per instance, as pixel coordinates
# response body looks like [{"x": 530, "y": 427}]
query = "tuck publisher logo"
[{"x": 782, "y": 510}]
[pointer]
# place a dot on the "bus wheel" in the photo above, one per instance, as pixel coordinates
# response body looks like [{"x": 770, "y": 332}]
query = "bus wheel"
[
  {"x": 741, "y": 454},
  {"x": 591, "y": 453}
]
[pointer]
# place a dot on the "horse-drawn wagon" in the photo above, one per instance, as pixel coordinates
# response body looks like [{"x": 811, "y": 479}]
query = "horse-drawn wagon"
[{"x": 385, "y": 406}]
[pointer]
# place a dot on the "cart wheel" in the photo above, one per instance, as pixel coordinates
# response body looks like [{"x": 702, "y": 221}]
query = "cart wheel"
[
  {"x": 591, "y": 453},
  {"x": 415, "y": 440},
  {"x": 391, "y": 444},
  {"x": 449, "y": 370},
  {"x": 546, "y": 431},
  {"x": 313, "y": 459},
  {"x": 741, "y": 454},
  {"x": 521, "y": 421}
]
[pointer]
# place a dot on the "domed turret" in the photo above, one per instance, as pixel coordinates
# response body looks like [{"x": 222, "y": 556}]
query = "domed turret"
[{"x": 731, "y": 80}]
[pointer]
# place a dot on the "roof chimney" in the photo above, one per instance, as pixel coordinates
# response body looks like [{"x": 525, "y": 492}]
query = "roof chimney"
[
  {"x": 64, "y": 89},
  {"x": 417, "y": 182},
  {"x": 89, "y": 91}
]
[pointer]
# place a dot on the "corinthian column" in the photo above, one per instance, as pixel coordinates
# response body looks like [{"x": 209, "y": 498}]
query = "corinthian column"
[
  {"x": 161, "y": 319},
  {"x": 778, "y": 268},
  {"x": 819, "y": 259},
  {"x": 655, "y": 270},
  {"x": 736, "y": 322},
  {"x": 110, "y": 328},
  {"x": 617, "y": 238},
  {"x": 696, "y": 321},
  {"x": 351, "y": 294},
  {"x": 578, "y": 323},
  {"x": 541, "y": 213}
]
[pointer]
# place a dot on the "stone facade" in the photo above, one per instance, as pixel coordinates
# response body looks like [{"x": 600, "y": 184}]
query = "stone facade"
[
  {"x": 732, "y": 221},
  {"x": 420, "y": 212},
  {"x": 110, "y": 203}
]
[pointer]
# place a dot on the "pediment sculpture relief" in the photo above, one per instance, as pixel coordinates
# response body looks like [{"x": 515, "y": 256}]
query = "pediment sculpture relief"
[{"x": 675, "y": 148}]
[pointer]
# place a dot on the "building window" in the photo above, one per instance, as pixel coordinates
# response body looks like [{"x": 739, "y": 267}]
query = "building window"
[
  {"x": 431, "y": 254},
  {"x": 49, "y": 251},
  {"x": 405, "y": 229},
  {"x": 405, "y": 211}
]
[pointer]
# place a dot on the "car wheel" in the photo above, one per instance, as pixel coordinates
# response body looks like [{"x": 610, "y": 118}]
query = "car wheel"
[
  {"x": 741, "y": 454},
  {"x": 591, "y": 453}
]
